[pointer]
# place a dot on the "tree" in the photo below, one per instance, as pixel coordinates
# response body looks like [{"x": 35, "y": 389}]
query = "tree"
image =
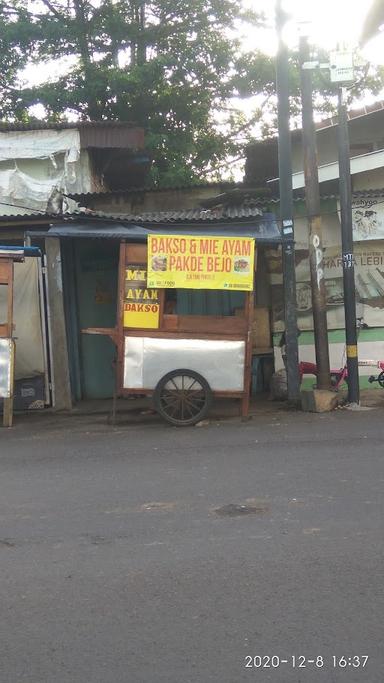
[{"x": 168, "y": 65}]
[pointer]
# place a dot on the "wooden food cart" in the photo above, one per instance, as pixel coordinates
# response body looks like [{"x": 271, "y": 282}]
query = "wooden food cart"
[
  {"x": 8, "y": 256},
  {"x": 179, "y": 359}
]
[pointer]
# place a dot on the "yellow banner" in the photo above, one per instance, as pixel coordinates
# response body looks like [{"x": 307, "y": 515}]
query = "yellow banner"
[
  {"x": 186, "y": 261},
  {"x": 141, "y": 305}
]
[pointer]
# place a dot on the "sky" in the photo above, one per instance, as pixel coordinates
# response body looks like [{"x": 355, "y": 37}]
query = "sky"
[{"x": 328, "y": 23}]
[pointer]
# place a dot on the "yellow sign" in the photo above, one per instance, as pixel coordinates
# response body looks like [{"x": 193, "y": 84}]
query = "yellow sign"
[
  {"x": 141, "y": 305},
  {"x": 192, "y": 262}
]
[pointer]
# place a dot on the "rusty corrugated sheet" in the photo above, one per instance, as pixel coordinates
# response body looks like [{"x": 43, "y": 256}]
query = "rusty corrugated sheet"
[
  {"x": 219, "y": 186},
  {"x": 117, "y": 137},
  {"x": 187, "y": 216},
  {"x": 63, "y": 125},
  {"x": 102, "y": 134}
]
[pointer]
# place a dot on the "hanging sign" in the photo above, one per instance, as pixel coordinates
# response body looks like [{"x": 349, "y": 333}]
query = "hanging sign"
[
  {"x": 341, "y": 67},
  {"x": 186, "y": 261},
  {"x": 141, "y": 305}
]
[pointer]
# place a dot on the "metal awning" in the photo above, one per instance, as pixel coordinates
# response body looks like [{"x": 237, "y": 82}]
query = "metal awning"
[
  {"x": 263, "y": 229},
  {"x": 18, "y": 252}
]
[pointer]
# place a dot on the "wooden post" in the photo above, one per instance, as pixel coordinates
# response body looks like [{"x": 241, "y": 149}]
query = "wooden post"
[
  {"x": 6, "y": 279},
  {"x": 120, "y": 319},
  {"x": 249, "y": 306},
  {"x": 8, "y": 402},
  {"x": 60, "y": 370},
  {"x": 10, "y": 299}
]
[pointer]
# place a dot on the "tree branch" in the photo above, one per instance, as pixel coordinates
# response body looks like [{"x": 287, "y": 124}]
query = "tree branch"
[
  {"x": 220, "y": 165},
  {"x": 52, "y": 9}
]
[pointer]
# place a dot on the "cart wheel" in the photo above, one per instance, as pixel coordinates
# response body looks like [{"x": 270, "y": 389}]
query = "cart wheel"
[
  {"x": 380, "y": 379},
  {"x": 183, "y": 397}
]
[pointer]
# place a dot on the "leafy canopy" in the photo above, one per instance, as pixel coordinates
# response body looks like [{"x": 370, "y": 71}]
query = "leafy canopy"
[
  {"x": 171, "y": 66},
  {"x": 168, "y": 65}
]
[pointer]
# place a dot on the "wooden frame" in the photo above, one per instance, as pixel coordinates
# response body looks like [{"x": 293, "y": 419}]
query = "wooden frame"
[
  {"x": 173, "y": 326},
  {"x": 6, "y": 331},
  {"x": 6, "y": 279}
]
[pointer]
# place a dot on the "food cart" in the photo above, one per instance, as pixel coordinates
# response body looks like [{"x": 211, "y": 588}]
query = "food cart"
[
  {"x": 9, "y": 256},
  {"x": 183, "y": 360}
]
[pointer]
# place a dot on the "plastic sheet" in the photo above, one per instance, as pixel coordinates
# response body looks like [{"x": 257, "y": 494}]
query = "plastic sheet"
[{"x": 29, "y": 359}]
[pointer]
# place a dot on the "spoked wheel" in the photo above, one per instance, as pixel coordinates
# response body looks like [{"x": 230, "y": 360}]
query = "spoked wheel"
[
  {"x": 380, "y": 379},
  {"x": 183, "y": 397}
]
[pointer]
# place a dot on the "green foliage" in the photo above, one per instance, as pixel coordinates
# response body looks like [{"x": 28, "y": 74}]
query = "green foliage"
[
  {"x": 171, "y": 66},
  {"x": 167, "y": 65}
]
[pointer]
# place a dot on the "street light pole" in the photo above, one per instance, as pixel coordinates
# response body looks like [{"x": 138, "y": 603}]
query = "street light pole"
[
  {"x": 342, "y": 72},
  {"x": 347, "y": 250},
  {"x": 286, "y": 211},
  {"x": 312, "y": 198}
]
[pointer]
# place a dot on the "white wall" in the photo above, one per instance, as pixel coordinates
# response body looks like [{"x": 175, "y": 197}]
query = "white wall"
[
  {"x": 370, "y": 180},
  {"x": 365, "y": 132}
]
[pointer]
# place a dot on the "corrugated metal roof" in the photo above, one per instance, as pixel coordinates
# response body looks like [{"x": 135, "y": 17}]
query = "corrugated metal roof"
[
  {"x": 97, "y": 134},
  {"x": 260, "y": 200},
  {"x": 63, "y": 125},
  {"x": 329, "y": 122},
  {"x": 357, "y": 194},
  {"x": 15, "y": 218},
  {"x": 148, "y": 188},
  {"x": 216, "y": 215},
  {"x": 250, "y": 208},
  {"x": 244, "y": 212},
  {"x": 361, "y": 194},
  {"x": 263, "y": 228}
]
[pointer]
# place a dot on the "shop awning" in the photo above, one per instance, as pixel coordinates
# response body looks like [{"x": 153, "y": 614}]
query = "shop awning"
[{"x": 263, "y": 229}]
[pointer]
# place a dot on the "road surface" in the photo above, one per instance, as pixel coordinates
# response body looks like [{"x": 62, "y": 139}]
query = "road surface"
[{"x": 150, "y": 554}]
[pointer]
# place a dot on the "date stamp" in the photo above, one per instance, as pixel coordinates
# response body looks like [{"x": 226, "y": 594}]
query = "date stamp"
[{"x": 343, "y": 661}]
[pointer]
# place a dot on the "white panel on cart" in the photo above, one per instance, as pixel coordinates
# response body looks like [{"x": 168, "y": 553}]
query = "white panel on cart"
[
  {"x": 220, "y": 362},
  {"x": 5, "y": 367}
]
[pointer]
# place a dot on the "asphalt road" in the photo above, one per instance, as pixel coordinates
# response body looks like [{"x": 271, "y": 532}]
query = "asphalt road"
[{"x": 126, "y": 558}]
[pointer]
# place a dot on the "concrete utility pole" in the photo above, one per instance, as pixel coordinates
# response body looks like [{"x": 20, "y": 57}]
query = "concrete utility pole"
[
  {"x": 342, "y": 72},
  {"x": 312, "y": 197},
  {"x": 347, "y": 250},
  {"x": 286, "y": 210}
]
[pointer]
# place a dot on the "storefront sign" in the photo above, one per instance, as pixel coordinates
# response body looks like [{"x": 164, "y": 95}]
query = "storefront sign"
[
  {"x": 141, "y": 305},
  {"x": 368, "y": 259},
  {"x": 367, "y": 218},
  {"x": 200, "y": 262}
]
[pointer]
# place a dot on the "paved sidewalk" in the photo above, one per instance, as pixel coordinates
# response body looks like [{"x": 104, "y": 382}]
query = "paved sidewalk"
[{"x": 140, "y": 411}]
